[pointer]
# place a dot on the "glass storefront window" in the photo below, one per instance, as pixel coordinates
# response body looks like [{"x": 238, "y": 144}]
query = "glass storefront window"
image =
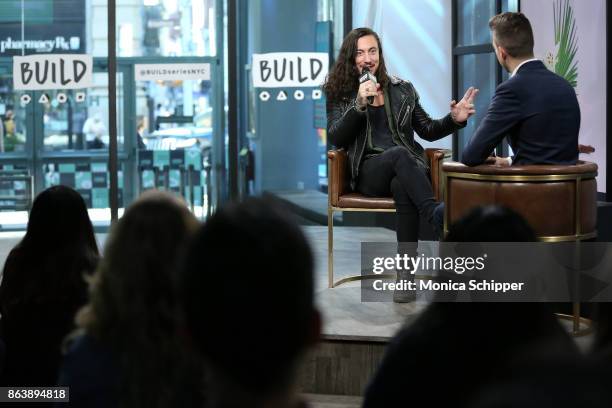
[
  {"x": 476, "y": 70},
  {"x": 158, "y": 28},
  {"x": 51, "y": 26},
  {"x": 330, "y": 10},
  {"x": 164, "y": 128},
  {"x": 510, "y": 5},
  {"x": 81, "y": 125},
  {"x": 13, "y": 130},
  {"x": 473, "y": 21},
  {"x": 175, "y": 114},
  {"x": 175, "y": 127}
]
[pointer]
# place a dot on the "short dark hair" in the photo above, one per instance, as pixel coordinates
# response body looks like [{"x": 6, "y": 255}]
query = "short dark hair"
[
  {"x": 513, "y": 32},
  {"x": 248, "y": 292}
]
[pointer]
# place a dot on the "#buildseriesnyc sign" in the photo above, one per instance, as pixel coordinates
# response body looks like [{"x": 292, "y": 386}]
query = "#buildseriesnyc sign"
[
  {"x": 172, "y": 72},
  {"x": 289, "y": 70}
]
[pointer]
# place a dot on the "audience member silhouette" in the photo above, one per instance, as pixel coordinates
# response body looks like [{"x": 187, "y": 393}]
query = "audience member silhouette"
[
  {"x": 248, "y": 300},
  {"x": 43, "y": 286},
  {"x": 2, "y": 352},
  {"x": 429, "y": 362},
  {"x": 561, "y": 383},
  {"x": 491, "y": 224},
  {"x": 129, "y": 352},
  {"x": 603, "y": 336}
]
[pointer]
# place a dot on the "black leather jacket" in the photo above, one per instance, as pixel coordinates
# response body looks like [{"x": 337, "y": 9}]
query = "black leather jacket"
[{"x": 348, "y": 127}]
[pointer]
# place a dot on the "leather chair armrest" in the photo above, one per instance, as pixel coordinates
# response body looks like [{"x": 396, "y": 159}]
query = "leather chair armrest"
[
  {"x": 581, "y": 167},
  {"x": 338, "y": 182},
  {"x": 436, "y": 158}
]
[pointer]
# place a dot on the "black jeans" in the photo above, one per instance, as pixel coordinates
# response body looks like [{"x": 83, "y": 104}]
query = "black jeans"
[{"x": 395, "y": 172}]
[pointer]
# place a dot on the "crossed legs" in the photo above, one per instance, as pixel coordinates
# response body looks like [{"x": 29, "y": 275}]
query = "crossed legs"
[{"x": 395, "y": 172}]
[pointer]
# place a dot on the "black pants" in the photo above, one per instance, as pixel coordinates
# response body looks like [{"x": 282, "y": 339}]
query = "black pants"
[{"x": 395, "y": 172}]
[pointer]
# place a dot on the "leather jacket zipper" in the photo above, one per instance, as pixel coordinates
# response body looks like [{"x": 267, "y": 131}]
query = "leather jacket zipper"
[{"x": 403, "y": 120}]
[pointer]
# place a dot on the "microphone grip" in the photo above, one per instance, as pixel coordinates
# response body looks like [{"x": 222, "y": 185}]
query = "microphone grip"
[{"x": 367, "y": 76}]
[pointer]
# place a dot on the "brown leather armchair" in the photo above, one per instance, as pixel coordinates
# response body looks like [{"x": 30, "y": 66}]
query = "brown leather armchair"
[
  {"x": 559, "y": 202},
  {"x": 342, "y": 198}
]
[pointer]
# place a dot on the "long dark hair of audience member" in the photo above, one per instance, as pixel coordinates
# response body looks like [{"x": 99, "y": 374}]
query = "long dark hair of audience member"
[
  {"x": 43, "y": 285},
  {"x": 129, "y": 352}
]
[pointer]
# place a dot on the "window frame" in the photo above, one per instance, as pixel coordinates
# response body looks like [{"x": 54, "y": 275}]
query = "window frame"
[{"x": 463, "y": 50}]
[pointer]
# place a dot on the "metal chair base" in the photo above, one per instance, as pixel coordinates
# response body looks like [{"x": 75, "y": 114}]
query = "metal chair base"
[
  {"x": 581, "y": 326},
  {"x": 354, "y": 278}
]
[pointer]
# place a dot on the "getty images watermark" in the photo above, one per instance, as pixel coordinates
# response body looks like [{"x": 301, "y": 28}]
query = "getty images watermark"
[
  {"x": 431, "y": 265},
  {"x": 488, "y": 272}
]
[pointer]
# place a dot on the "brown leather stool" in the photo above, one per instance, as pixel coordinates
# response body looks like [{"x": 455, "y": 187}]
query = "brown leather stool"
[{"x": 558, "y": 201}]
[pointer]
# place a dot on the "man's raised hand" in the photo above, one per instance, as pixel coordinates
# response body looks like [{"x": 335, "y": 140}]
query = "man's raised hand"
[{"x": 462, "y": 110}]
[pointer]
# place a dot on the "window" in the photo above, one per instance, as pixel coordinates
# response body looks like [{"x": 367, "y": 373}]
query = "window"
[{"x": 474, "y": 61}]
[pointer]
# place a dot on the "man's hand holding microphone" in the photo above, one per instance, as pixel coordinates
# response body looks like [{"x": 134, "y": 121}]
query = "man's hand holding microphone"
[{"x": 368, "y": 89}]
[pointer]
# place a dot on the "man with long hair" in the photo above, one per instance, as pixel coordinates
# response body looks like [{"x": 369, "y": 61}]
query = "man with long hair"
[
  {"x": 384, "y": 157},
  {"x": 375, "y": 122}
]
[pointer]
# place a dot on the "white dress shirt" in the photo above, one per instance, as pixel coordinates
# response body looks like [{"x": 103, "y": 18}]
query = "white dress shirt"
[{"x": 520, "y": 65}]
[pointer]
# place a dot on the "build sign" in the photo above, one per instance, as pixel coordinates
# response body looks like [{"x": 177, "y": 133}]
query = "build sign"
[
  {"x": 52, "y": 71},
  {"x": 289, "y": 70}
]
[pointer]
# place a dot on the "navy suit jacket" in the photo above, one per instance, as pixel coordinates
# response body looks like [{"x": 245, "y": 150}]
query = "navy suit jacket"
[{"x": 538, "y": 112}]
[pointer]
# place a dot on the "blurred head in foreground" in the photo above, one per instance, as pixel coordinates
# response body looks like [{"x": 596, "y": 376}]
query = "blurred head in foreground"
[
  {"x": 43, "y": 286},
  {"x": 495, "y": 224},
  {"x": 133, "y": 309},
  {"x": 248, "y": 299},
  {"x": 490, "y": 337},
  {"x": 58, "y": 247}
]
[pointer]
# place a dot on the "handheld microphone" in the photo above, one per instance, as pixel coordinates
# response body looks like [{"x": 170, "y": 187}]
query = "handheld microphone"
[{"x": 366, "y": 75}]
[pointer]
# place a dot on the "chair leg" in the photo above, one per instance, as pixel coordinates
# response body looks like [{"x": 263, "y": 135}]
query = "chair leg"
[
  {"x": 330, "y": 247},
  {"x": 576, "y": 317}
]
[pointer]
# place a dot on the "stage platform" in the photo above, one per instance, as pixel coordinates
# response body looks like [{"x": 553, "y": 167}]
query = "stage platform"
[
  {"x": 345, "y": 316},
  {"x": 355, "y": 334}
]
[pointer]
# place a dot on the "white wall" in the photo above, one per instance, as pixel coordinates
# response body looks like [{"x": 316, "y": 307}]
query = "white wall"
[{"x": 591, "y": 61}]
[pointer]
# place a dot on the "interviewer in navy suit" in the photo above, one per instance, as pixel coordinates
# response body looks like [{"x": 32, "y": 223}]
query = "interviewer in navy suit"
[{"x": 535, "y": 109}]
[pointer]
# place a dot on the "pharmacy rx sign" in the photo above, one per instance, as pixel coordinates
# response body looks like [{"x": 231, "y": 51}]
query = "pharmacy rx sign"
[{"x": 273, "y": 72}]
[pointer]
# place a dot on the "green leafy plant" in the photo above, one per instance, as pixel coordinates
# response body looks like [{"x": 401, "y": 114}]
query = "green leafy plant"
[{"x": 566, "y": 39}]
